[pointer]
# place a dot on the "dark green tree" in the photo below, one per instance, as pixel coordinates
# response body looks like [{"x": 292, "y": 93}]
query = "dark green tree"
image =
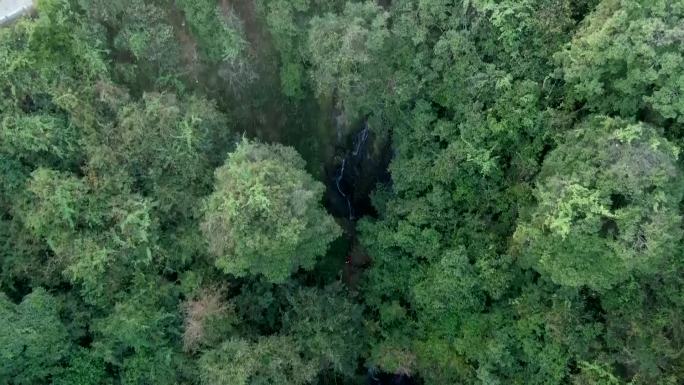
[
  {"x": 33, "y": 341},
  {"x": 327, "y": 328}
]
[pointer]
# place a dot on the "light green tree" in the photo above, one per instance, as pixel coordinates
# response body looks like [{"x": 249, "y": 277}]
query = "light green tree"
[
  {"x": 345, "y": 51},
  {"x": 627, "y": 59},
  {"x": 265, "y": 215},
  {"x": 268, "y": 360},
  {"x": 607, "y": 205}
]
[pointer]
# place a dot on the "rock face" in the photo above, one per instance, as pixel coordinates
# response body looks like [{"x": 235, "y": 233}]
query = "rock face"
[{"x": 12, "y": 9}]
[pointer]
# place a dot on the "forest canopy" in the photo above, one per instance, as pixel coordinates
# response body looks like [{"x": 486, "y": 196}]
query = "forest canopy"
[{"x": 252, "y": 192}]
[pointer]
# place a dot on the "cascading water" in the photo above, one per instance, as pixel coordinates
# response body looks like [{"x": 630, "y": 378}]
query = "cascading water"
[
  {"x": 360, "y": 139},
  {"x": 340, "y": 175},
  {"x": 351, "y": 173},
  {"x": 360, "y": 162}
]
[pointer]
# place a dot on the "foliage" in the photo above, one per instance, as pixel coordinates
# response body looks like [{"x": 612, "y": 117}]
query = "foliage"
[
  {"x": 287, "y": 23},
  {"x": 84, "y": 368},
  {"x": 142, "y": 39}
]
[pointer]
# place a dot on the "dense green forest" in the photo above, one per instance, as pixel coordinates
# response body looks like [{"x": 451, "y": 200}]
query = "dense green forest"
[{"x": 253, "y": 192}]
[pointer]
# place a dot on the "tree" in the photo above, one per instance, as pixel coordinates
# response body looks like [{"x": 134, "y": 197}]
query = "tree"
[
  {"x": 264, "y": 216},
  {"x": 145, "y": 49},
  {"x": 607, "y": 205},
  {"x": 528, "y": 32},
  {"x": 33, "y": 340},
  {"x": 220, "y": 39},
  {"x": 326, "y": 327},
  {"x": 84, "y": 368},
  {"x": 165, "y": 146},
  {"x": 627, "y": 59},
  {"x": 268, "y": 360},
  {"x": 208, "y": 319},
  {"x": 137, "y": 334},
  {"x": 594, "y": 374},
  {"x": 287, "y": 22},
  {"x": 345, "y": 53},
  {"x": 98, "y": 239}
]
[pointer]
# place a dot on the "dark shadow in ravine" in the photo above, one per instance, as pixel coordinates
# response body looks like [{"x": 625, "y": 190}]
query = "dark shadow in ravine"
[
  {"x": 359, "y": 164},
  {"x": 375, "y": 377}
]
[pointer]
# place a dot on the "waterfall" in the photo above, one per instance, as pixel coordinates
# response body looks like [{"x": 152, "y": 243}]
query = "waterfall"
[
  {"x": 352, "y": 174},
  {"x": 360, "y": 139},
  {"x": 339, "y": 177},
  {"x": 339, "y": 189}
]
